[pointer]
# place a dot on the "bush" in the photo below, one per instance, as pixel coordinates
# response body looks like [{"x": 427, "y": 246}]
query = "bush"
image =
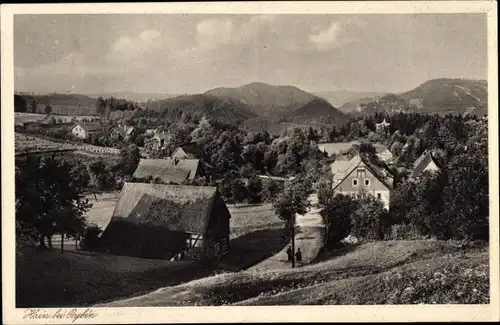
[
  {"x": 403, "y": 232},
  {"x": 336, "y": 213},
  {"x": 90, "y": 238},
  {"x": 371, "y": 220},
  {"x": 271, "y": 189}
]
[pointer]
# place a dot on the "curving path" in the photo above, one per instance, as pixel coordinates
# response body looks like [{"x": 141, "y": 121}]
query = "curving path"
[{"x": 309, "y": 235}]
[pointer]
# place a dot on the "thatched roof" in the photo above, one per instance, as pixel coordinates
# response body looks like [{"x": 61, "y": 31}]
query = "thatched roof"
[
  {"x": 151, "y": 220},
  {"x": 168, "y": 170},
  {"x": 174, "y": 207}
]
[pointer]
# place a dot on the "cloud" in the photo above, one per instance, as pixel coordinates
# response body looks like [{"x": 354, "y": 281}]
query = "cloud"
[
  {"x": 213, "y": 32},
  {"x": 135, "y": 46},
  {"x": 329, "y": 38}
]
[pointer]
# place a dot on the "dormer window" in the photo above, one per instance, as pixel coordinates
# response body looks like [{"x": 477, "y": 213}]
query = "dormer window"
[{"x": 355, "y": 182}]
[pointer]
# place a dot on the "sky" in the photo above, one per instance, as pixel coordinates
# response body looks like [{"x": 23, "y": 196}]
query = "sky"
[{"x": 192, "y": 53}]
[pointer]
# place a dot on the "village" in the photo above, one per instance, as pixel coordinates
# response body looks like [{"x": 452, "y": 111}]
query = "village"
[
  {"x": 331, "y": 163},
  {"x": 168, "y": 211}
]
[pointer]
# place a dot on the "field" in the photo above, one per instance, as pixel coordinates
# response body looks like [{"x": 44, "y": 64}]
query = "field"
[
  {"x": 27, "y": 143},
  {"x": 34, "y": 117},
  {"x": 389, "y": 272}
]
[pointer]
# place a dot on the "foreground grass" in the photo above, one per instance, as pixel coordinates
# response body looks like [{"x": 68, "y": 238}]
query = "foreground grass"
[
  {"x": 50, "y": 279},
  {"x": 46, "y": 279},
  {"x": 392, "y": 272}
]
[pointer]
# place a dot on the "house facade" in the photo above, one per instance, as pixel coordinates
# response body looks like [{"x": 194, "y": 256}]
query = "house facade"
[
  {"x": 172, "y": 222},
  {"x": 83, "y": 131},
  {"x": 359, "y": 177},
  {"x": 382, "y": 126},
  {"x": 160, "y": 140}
]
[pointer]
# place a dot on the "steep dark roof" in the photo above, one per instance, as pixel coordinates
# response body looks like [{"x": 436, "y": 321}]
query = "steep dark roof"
[
  {"x": 173, "y": 207},
  {"x": 422, "y": 162},
  {"x": 168, "y": 170},
  {"x": 192, "y": 149}
]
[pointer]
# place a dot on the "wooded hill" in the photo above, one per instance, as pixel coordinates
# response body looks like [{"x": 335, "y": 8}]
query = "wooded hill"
[{"x": 441, "y": 96}]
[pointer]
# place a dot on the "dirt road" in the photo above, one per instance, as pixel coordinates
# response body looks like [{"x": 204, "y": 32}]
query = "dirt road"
[{"x": 309, "y": 236}]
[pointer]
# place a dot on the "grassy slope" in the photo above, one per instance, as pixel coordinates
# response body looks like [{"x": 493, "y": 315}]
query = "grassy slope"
[
  {"x": 388, "y": 272},
  {"x": 50, "y": 279},
  {"x": 47, "y": 279}
]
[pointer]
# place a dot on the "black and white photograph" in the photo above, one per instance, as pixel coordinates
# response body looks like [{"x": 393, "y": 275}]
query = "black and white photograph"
[{"x": 260, "y": 158}]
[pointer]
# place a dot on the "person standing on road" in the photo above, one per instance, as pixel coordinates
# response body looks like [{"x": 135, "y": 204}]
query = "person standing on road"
[
  {"x": 289, "y": 253},
  {"x": 298, "y": 255}
]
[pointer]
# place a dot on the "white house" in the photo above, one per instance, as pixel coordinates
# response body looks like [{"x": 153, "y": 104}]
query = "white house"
[
  {"x": 383, "y": 126},
  {"x": 359, "y": 177},
  {"x": 82, "y": 131},
  {"x": 383, "y": 153}
]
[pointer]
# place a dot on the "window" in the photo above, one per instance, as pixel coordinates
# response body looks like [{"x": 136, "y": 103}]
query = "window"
[
  {"x": 379, "y": 196},
  {"x": 354, "y": 182},
  {"x": 367, "y": 182}
]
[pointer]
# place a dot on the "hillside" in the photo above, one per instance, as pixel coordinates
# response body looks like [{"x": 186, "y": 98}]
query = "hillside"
[
  {"x": 440, "y": 96},
  {"x": 341, "y": 97},
  {"x": 388, "y": 272},
  {"x": 63, "y": 104},
  {"x": 222, "y": 109},
  {"x": 280, "y": 107},
  {"x": 453, "y": 95},
  {"x": 266, "y": 99}
]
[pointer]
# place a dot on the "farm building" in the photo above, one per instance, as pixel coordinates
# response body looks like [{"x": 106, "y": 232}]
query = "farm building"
[
  {"x": 360, "y": 176},
  {"x": 83, "y": 131},
  {"x": 170, "y": 170},
  {"x": 168, "y": 222},
  {"x": 426, "y": 162},
  {"x": 336, "y": 148}
]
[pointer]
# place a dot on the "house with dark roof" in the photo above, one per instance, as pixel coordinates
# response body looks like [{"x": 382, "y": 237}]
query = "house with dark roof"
[
  {"x": 174, "y": 171},
  {"x": 425, "y": 163},
  {"x": 360, "y": 176},
  {"x": 173, "y": 222},
  {"x": 84, "y": 130},
  {"x": 190, "y": 150}
]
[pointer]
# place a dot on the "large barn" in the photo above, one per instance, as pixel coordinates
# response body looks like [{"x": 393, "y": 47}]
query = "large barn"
[{"x": 168, "y": 222}]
